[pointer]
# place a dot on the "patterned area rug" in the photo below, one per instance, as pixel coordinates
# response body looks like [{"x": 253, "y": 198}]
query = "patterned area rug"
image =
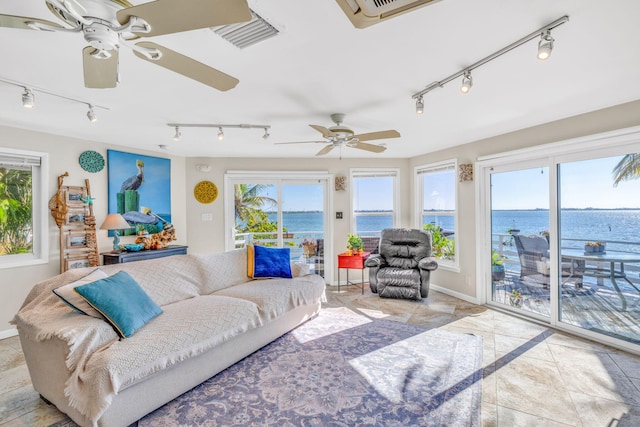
[{"x": 342, "y": 369}]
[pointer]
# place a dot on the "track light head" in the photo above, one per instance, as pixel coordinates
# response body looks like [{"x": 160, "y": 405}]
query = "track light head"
[
  {"x": 266, "y": 134},
  {"x": 545, "y": 45},
  {"x": 28, "y": 98},
  {"x": 220, "y": 134},
  {"x": 91, "y": 115},
  {"x": 177, "y": 136},
  {"x": 419, "y": 105},
  {"x": 467, "y": 82}
]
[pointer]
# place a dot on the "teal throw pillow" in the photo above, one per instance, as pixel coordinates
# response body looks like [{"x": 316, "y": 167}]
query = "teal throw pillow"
[
  {"x": 271, "y": 262},
  {"x": 121, "y": 300}
]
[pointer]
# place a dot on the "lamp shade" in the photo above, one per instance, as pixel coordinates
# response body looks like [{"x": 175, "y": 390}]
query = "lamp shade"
[{"x": 115, "y": 222}]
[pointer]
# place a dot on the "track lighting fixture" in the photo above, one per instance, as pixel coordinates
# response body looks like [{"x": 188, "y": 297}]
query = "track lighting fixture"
[
  {"x": 91, "y": 115},
  {"x": 419, "y": 105},
  {"x": 220, "y": 127},
  {"x": 467, "y": 82},
  {"x": 28, "y": 98},
  {"x": 545, "y": 46}
]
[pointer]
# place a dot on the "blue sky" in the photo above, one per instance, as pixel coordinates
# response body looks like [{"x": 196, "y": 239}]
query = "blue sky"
[{"x": 583, "y": 184}]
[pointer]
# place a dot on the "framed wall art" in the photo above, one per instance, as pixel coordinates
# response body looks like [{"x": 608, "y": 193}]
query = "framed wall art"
[
  {"x": 140, "y": 189},
  {"x": 75, "y": 196},
  {"x": 79, "y": 261},
  {"x": 75, "y": 217},
  {"x": 76, "y": 240}
]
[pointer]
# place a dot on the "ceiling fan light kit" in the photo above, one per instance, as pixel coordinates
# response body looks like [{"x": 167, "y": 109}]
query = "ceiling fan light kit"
[
  {"x": 545, "y": 46},
  {"x": 106, "y": 25}
]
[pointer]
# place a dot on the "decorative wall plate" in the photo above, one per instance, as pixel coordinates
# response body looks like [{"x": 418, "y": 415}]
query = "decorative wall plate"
[
  {"x": 91, "y": 161},
  {"x": 205, "y": 192}
]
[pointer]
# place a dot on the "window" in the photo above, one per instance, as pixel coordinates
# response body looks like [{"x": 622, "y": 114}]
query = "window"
[
  {"x": 23, "y": 220},
  {"x": 375, "y": 200},
  {"x": 436, "y": 208}
]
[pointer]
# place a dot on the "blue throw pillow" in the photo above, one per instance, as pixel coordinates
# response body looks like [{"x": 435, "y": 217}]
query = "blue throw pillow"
[
  {"x": 121, "y": 300},
  {"x": 271, "y": 262}
]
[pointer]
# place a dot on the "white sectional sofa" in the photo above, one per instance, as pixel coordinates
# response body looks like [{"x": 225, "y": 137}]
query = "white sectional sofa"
[{"x": 213, "y": 316}]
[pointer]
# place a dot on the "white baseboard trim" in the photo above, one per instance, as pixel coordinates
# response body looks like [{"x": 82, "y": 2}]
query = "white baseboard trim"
[
  {"x": 455, "y": 294},
  {"x": 8, "y": 333}
]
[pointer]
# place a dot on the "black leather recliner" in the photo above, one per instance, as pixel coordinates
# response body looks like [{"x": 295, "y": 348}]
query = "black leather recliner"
[{"x": 403, "y": 267}]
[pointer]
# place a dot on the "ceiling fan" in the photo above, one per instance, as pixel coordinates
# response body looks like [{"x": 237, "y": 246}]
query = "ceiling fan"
[
  {"x": 340, "y": 135},
  {"x": 108, "y": 24}
]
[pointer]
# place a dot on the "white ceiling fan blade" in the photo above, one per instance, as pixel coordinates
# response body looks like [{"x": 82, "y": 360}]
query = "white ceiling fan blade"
[
  {"x": 325, "y": 150},
  {"x": 383, "y": 134},
  {"x": 188, "y": 67},
  {"x": 323, "y": 130},
  {"x": 174, "y": 16},
  {"x": 368, "y": 147},
  {"x": 99, "y": 73},
  {"x": 11, "y": 21}
]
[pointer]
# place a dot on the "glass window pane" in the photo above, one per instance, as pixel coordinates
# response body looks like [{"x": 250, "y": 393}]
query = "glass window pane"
[{"x": 16, "y": 211}]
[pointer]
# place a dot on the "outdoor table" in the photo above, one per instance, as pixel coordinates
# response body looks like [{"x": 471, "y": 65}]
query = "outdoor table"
[{"x": 611, "y": 273}]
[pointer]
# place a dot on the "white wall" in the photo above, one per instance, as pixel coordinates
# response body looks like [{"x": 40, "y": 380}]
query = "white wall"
[{"x": 64, "y": 152}]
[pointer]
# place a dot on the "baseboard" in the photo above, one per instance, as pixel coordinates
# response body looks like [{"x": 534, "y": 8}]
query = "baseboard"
[
  {"x": 8, "y": 333},
  {"x": 455, "y": 294}
]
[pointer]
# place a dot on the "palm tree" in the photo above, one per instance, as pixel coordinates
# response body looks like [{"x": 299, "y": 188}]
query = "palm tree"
[
  {"x": 249, "y": 202},
  {"x": 628, "y": 168}
]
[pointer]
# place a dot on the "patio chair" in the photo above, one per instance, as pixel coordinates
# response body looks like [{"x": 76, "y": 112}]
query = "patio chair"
[{"x": 533, "y": 252}]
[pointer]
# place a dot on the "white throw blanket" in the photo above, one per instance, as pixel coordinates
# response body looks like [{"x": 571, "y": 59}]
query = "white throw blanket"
[{"x": 101, "y": 365}]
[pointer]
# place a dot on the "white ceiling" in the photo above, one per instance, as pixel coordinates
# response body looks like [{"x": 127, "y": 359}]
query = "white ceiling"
[{"x": 320, "y": 64}]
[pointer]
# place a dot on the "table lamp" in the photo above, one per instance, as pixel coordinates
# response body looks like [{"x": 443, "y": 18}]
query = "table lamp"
[{"x": 115, "y": 222}]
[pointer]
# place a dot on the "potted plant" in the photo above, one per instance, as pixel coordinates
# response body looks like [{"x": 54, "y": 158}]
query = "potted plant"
[
  {"x": 515, "y": 298},
  {"x": 354, "y": 243},
  {"x": 497, "y": 266}
]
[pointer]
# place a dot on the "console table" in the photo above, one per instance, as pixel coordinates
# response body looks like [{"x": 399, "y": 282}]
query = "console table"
[
  {"x": 120, "y": 257},
  {"x": 352, "y": 260}
]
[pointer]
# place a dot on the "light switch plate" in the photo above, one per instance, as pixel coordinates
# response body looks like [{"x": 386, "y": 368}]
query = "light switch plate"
[{"x": 207, "y": 216}]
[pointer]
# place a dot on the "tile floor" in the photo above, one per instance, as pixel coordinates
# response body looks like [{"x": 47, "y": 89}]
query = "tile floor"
[{"x": 533, "y": 375}]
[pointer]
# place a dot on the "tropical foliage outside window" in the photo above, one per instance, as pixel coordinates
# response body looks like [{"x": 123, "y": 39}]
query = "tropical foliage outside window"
[
  {"x": 16, "y": 216},
  {"x": 250, "y": 204}
]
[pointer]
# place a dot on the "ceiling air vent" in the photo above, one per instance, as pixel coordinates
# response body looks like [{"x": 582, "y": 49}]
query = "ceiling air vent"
[
  {"x": 248, "y": 33},
  {"x": 364, "y": 13}
]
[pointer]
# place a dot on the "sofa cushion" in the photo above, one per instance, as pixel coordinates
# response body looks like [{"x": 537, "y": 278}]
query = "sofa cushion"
[
  {"x": 275, "y": 297},
  {"x": 165, "y": 280},
  {"x": 68, "y": 294},
  {"x": 221, "y": 270},
  {"x": 266, "y": 263},
  {"x": 121, "y": 301}
]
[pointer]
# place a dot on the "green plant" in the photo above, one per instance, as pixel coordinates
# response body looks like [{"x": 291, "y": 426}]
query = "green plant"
[
  {"x": 442, "y": 247},
  {"x": 496, "y": 258},
  {"x": 354, "y": 242}
]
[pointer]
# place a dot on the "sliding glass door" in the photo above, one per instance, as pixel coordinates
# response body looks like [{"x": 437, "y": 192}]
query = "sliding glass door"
[
  {"x": 519, "y": 216},
  {"x": 560, "y": 240},
  {"x": 286, "y": 211}
]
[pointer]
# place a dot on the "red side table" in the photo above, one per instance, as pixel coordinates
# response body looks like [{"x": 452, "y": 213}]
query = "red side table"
[{"x": 352, "y": 261}]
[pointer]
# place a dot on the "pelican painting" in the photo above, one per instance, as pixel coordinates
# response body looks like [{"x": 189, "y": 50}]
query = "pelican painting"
[{"x": 137, "y": 181}]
